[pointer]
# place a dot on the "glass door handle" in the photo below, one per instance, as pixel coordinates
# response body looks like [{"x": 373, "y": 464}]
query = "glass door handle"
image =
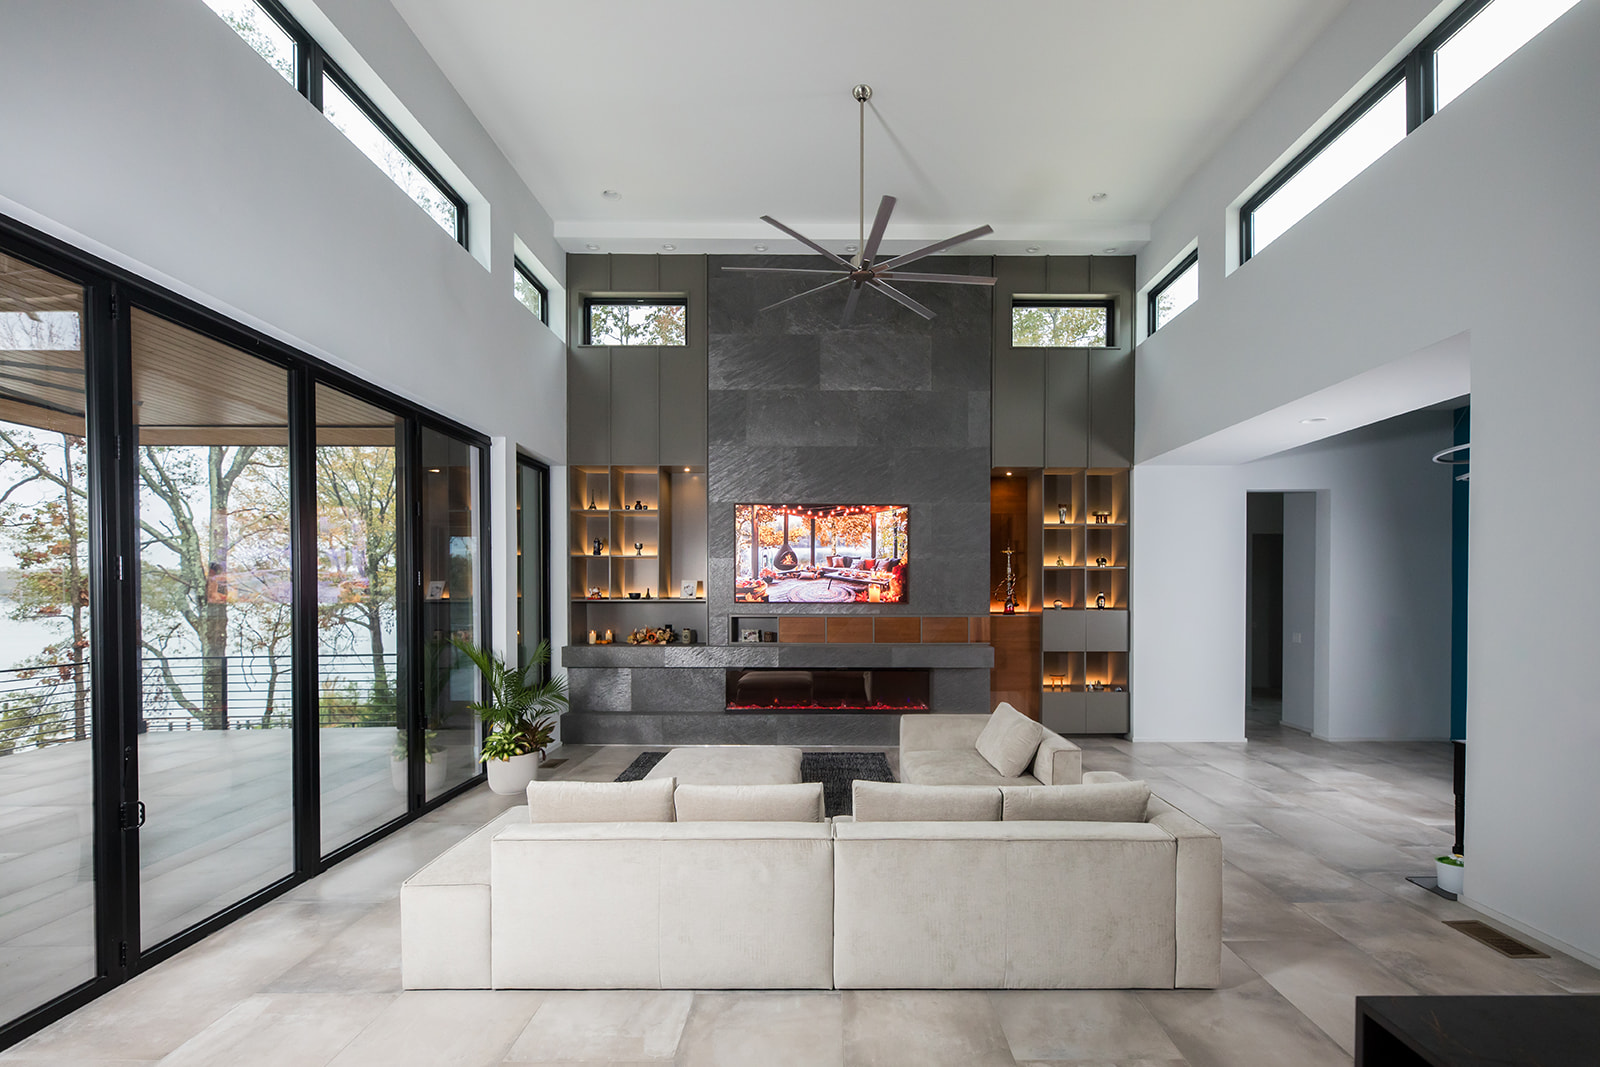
[{"x": 133, "y": 815}]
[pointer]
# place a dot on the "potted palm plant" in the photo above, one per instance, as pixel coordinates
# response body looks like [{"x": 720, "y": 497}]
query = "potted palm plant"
[{"x": 521, "y": 715}]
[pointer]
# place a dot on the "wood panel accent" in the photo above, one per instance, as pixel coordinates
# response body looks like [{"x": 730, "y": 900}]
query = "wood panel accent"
[
  {"x": 980, "y": 630},
  {"x": 898, "y": 630},
  {"x": 802, "y": 629},
  {"x": 849, "y": 629},
  {"x": 944, "y": 630},
  {"x": 1016, "y": 677}
]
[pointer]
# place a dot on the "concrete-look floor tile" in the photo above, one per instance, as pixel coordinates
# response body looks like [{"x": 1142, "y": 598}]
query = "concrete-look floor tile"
[
  {"x": 604, "y": 1024},
  {"x": 280, "y": 1029},
  {"x": 1251, "y": 912},
  {"x": 1103, "y": 1063},
  {"x": 362, "y": 958},
  {"x": 1426, "y": 953},
  {"x": 28, "y": 1061},
  {"x": 1322, "y": 980},
  {"x": 1290, "y": 872},
  {"x": 1245, "y": 1023},
  {"x": 425, "y": 1028},
  {"x": 771, "y": 1029},
  {"x": 1074, "y": 1025},
  {"x": 910, "y": 1028},
  {"x": 375, "y": 874}
]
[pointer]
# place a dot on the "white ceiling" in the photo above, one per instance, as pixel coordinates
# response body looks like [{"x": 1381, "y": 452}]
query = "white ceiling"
[{"x": 706, "y": 114}]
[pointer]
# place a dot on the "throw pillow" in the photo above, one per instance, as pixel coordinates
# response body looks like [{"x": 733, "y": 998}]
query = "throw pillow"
[
  {"x": 1108, "y": 802},
  {"x": 1009, "y": 740},
  {"x": 898, "y": 802},
  {"x": 750, "y": 803},
  {"x": 647, "y": 800}
]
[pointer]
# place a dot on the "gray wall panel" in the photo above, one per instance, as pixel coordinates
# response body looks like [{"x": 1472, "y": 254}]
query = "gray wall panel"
[
  {"x": 588, "y": 406},
  {"x": 1066, "y": 407},
  {"x": 635, "y": 407},
  {"x": 683, "y": 407},
  {"x": 1110, "y": 409}
]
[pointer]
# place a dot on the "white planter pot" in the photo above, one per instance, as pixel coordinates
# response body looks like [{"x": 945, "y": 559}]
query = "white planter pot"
[
  {"x": 509, "y": 777},
  {"x": 1450, "y": 876},
  {"x": 432, "y": 774}
]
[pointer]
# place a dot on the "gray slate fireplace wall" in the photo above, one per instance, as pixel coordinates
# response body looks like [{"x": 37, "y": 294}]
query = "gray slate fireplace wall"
[{"x": 891, "y": 409}]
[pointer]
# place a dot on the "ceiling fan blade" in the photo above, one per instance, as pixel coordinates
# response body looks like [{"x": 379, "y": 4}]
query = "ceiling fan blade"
[
  {"x": 900, "y": 298},
  {"x": 948, "y": 279},
  {"x": 938, "y": 246},
  {"x": 783, "y": 270},
  {"x": 850, "y": 305},
  {"x": 840, "y": 280},
  {"x": 879, "y": 224},
  {"x": 808, "y": 242}
]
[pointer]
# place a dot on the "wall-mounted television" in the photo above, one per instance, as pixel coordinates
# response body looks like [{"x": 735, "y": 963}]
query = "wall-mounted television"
[{"x": 821, "y": 553}]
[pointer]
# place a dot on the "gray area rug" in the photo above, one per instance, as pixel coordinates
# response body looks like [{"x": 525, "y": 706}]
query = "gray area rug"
[{"x": 835, "y": 770}]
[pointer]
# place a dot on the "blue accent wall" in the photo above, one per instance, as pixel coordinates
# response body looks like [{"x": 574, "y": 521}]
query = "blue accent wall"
[{"x": 1458, "y": 583}]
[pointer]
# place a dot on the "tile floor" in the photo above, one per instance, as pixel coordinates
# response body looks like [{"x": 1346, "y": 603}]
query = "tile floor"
[{"x": 1318, "y": 839}]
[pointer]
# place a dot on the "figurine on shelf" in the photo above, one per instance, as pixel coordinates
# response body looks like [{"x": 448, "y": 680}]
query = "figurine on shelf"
[
  {"x": 591, "y": 502},
  {"x": 1100, "y": 561},
  {"x": 1061, "y": 514},
  {"x": 597, "y": 544},
  {"x": 638, "y": 505},
  {"x": 647, "y": 595},
  {"x": 1099, "y": 600},
  {"x": 1060, "y": 562},
  {"x": 638, "y": 548},
  {"x": 1102, "y": 517}
]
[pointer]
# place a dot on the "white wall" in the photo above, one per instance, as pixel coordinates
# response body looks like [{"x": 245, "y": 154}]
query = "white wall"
[
  {"x": 1482, "y": 222},
  {"x": 151, "y": 135},
  {"x": 1380, "y": 650}
]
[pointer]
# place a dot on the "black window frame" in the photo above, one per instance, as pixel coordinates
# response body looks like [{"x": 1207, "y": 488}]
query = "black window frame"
[
  {"x": 590, "y": 302},
  {"x": 1188, "y": 261},
  {"x": 1418, "y": 70},
  {"x": 1107, "y": 304},
  {"x": 1397, "y": 75},
  {"x": 312, "y": 63},
  {"x": 544, "y": 294}
]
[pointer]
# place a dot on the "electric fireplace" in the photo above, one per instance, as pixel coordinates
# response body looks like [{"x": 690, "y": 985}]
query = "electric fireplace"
[{"x": 827, "y": 689}]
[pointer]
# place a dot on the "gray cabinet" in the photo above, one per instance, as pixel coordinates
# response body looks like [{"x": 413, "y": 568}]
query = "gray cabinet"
[
  {"x": 1016, "y": 413},
  {"x": 1067, "y": 404},
  {"x": 683, "y": 407},
  {"x": 1107, "y": 631},
  {"x": 1065, "y": 713},
  {"x": 589, "y": 405},
  {"x": 635, "y": 407},
  {"x": 1065, "y": 630},
  {"x": 1110, "y": 399},
  {"x": 1105, "y": 713}
]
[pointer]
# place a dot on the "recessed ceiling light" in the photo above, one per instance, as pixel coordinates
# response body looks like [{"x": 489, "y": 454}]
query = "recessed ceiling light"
[
  {"x": 611, "y": 194},
  {"x": 592, "y": 247},
  {"x": 1097, "y": 197},
  {"x": 761, "y": 248},
  {"x": 1031, "y": 249},
  {"x": 1108, "y": 251},
  {"x": 1314, "y": 418},
  {"x": 1008, "y": 474},
  {"x": 669, "y": 248},
  {"x": 850, "y": 248}
]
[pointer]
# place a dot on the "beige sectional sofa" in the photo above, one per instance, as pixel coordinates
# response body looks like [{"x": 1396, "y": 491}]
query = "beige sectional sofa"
[
  {"x": 981, "y": 887},
  {"x": 941, "y": 750}
]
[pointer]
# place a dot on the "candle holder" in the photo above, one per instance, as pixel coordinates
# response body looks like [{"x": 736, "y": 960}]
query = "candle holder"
[{"x": 638, "y": 548}]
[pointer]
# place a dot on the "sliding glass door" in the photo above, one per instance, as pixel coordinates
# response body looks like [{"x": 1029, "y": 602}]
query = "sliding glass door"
[
  {"x": 231, "y": 583},
  {"x": 362, "y": 736},
  {"x": 215, "y": 617},
  {"x": 452, "y": 609},
  {"x": 47, "y": 886}
]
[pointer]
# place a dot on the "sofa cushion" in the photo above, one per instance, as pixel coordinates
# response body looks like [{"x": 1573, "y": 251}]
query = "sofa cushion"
[
  {"x": 1009, "y": 740},
  {"x": 1107, "y": 802},
  {"x": 954, "y": 766},
  {"x": 648, "y": 800},
  {"x": 750, "y": 803},
  {"x": 898, "y": 802}
]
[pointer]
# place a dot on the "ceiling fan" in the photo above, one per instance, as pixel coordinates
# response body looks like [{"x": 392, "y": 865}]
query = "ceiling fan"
[{"x": 862, "y": 271}]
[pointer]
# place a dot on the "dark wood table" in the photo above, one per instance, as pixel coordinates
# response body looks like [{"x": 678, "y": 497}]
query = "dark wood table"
[{"x": 1560, "y": 1031}]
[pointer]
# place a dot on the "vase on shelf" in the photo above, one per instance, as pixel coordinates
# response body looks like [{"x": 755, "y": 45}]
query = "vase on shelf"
[{"x": 1061, "y": 514}]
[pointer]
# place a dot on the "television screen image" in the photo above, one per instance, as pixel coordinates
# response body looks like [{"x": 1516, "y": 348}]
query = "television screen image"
[{"x": 821, "y": 554}]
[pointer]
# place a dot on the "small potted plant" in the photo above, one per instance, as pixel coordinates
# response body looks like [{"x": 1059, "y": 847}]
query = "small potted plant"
[
  {"x": 521, "y": 715},
  {"x": 1450, "y": 870}
]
